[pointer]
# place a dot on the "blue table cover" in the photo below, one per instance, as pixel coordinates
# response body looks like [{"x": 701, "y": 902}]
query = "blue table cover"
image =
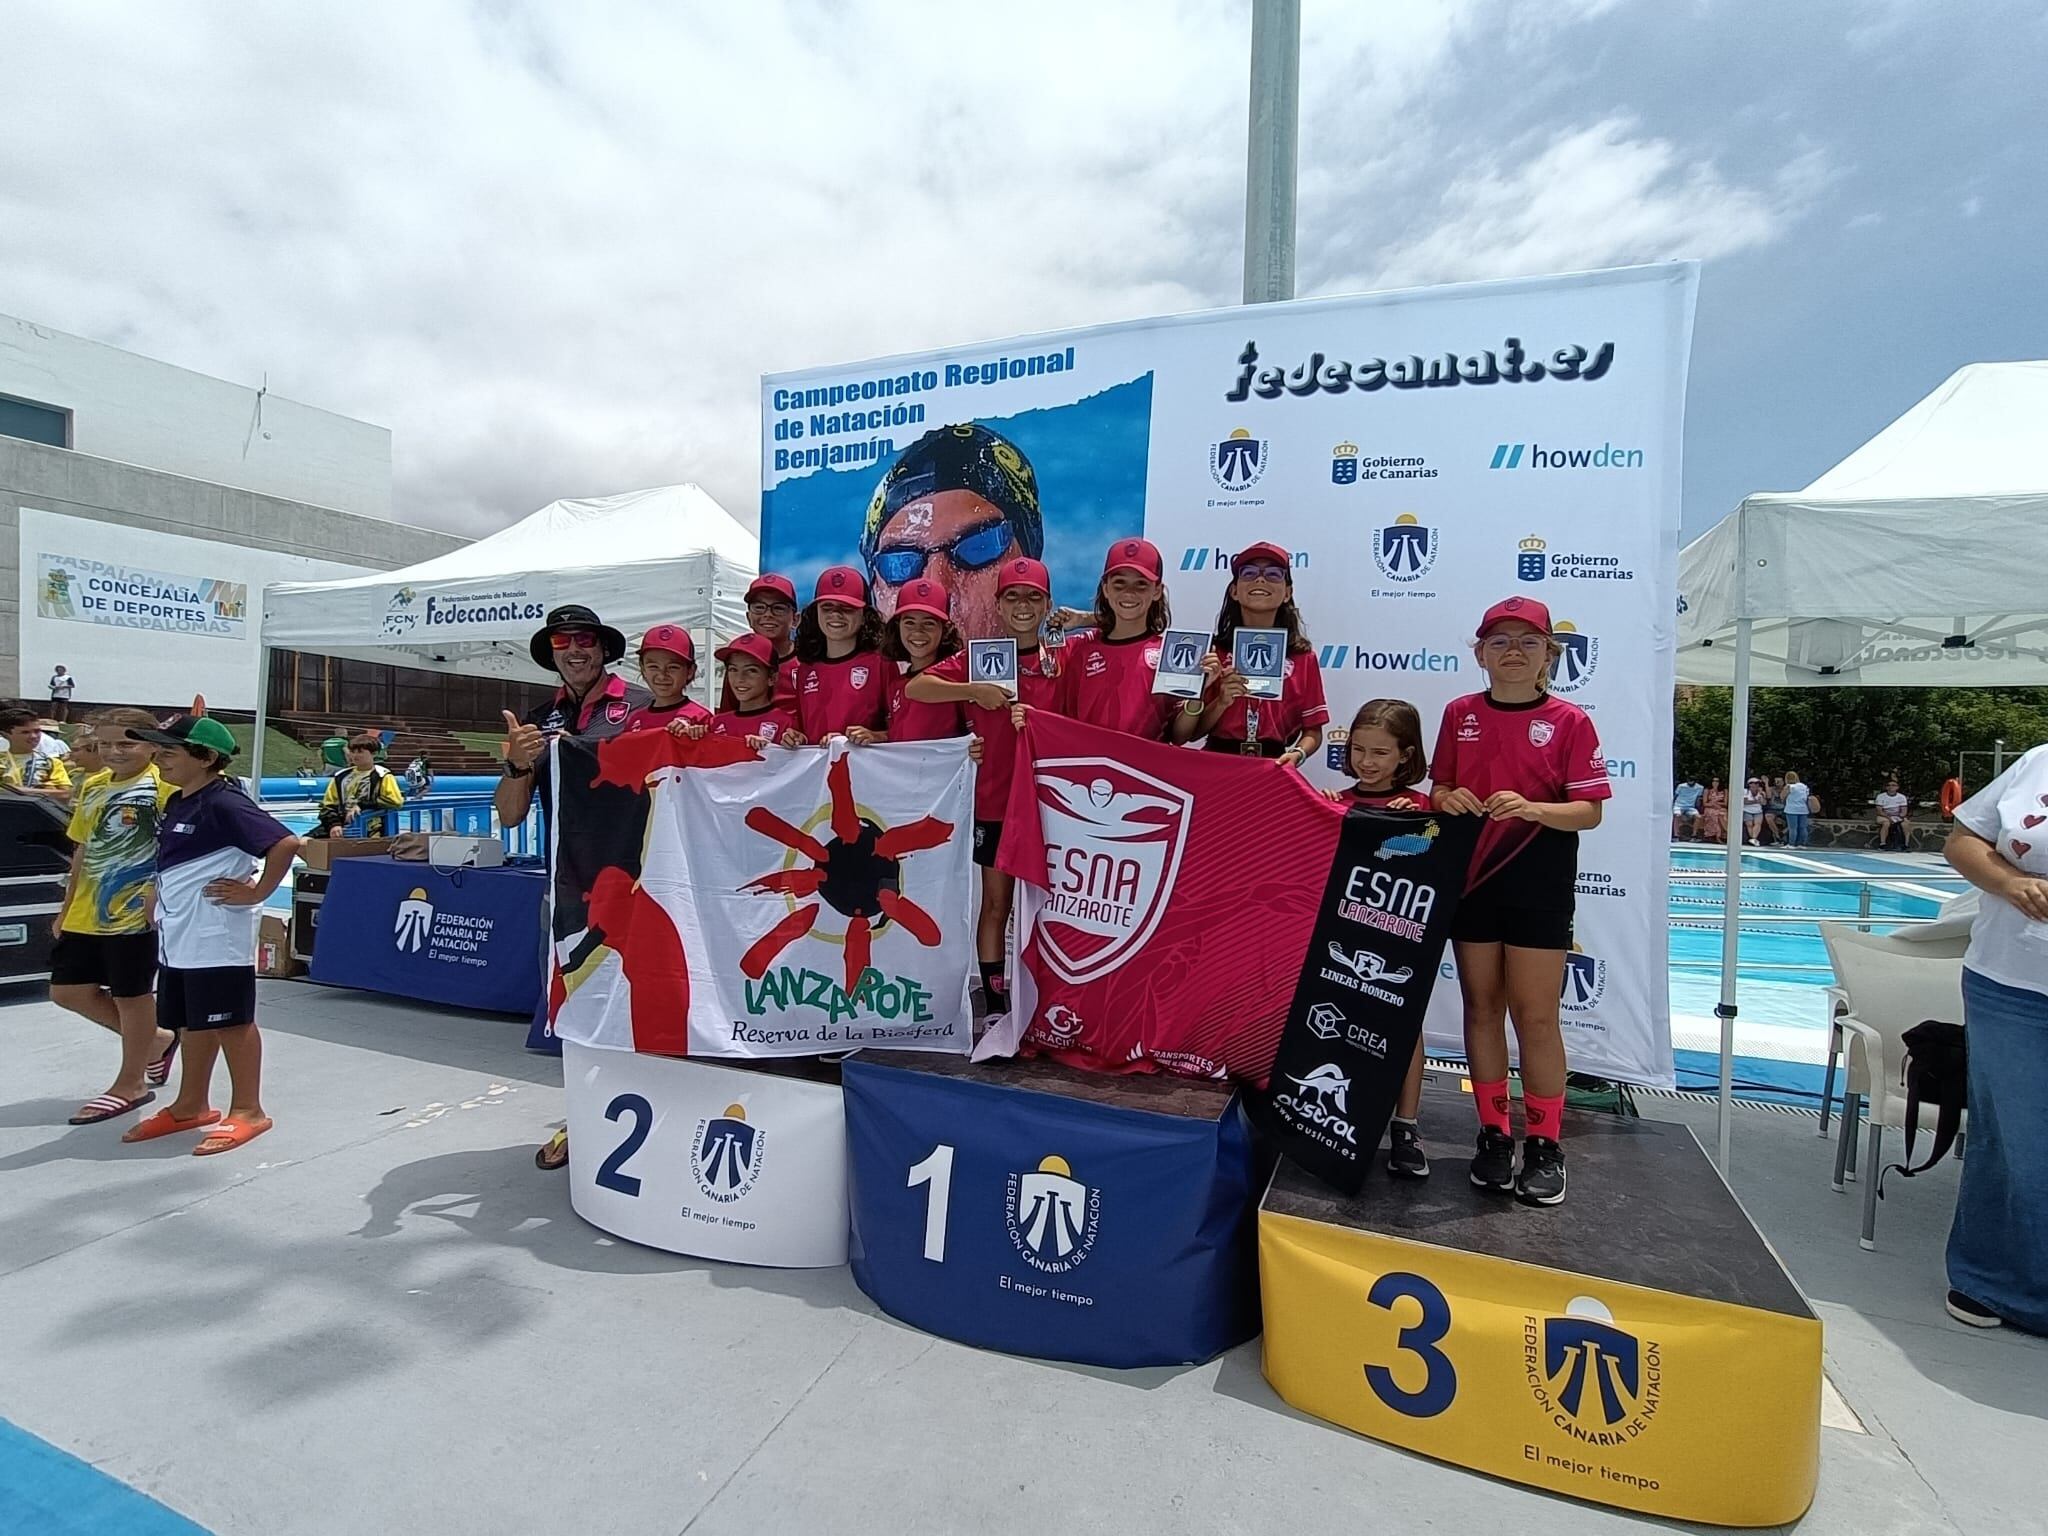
[
  {"x": 470, "y": 938},
  {"x": 1047, "y": 1225}
]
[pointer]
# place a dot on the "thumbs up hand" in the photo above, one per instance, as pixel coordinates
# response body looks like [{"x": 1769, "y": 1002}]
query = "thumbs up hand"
[{"x": 523, "y": 743}]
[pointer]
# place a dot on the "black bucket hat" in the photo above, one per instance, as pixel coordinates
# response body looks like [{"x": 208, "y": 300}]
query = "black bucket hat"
[{"x": 573, "y": 616}]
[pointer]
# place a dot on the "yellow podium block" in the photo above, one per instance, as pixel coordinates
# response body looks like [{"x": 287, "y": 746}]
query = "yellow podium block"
[{"x": 1640, "y": 1346}]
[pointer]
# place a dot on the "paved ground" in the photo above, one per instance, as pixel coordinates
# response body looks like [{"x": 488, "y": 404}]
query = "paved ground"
[{"x": 381, "y": 1316}]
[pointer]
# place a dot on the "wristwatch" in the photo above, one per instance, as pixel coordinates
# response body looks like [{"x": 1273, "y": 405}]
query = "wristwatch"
[{"x": 507, "y": 769}]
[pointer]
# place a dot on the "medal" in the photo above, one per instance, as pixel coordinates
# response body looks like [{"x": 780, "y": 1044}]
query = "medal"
[{"x": 1250, "y": 745}]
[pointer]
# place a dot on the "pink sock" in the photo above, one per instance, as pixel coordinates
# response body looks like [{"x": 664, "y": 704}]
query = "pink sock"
[
  {"x": 1491, "y": 1100},
  {"x": 1543, "y": 1115}
]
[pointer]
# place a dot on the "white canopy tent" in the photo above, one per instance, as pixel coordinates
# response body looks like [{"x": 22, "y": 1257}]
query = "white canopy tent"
[
  {"x": 1915, "y": 562},
  {"x": 671, "y": 554}
]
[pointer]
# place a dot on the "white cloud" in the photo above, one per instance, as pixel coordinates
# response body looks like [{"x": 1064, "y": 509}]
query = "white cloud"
[
  {"x": 1596, "y": 196},
  {"x": 553, "y": 249}
]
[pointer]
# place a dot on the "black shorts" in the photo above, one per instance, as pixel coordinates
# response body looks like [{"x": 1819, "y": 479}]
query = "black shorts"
[
  {"x": 206, "y": 997},
  {"x": 123, "y": 963},
  {"x": 1526, "y": 914},
  {"x": 988, "y": 836}
]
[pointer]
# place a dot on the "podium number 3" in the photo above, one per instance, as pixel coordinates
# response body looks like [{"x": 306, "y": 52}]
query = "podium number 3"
[
  {"x": 937, "y": 1171},
  {"x": 1440, "y": 1377},
  {"x": 609, "y": 1176}
]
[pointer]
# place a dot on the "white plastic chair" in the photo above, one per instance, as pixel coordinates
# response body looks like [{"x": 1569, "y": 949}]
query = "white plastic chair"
[{"x": 1884, "y": 985}]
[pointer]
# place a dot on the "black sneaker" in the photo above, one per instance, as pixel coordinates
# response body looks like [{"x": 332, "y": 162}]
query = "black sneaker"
[
  {"x": 1974, "y": 1313},
  {"x": 1494, "y": 1167},
  {"x": 1405, "y": 1157},
  {"x": 1541, "y": 1181}
]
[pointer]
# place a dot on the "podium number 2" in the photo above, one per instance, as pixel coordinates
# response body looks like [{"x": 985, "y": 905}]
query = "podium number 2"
[
  {"x": 609, "y": 1176},
  {"x": 1420, "y": 1339},
  {"x": 937, "y": 1171}
]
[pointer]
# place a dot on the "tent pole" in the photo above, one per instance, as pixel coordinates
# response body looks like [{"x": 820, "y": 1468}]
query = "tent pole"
[
  {"x": 1731, "y": 890},
  {"x": 262, "y": 718}
]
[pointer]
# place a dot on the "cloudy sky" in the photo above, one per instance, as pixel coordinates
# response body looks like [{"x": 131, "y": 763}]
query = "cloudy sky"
[{"x": 554, "y": 247}]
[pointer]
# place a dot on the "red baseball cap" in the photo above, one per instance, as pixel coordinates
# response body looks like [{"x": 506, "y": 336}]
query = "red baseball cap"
[
  {"x": 841, "y": 584},
  {"x": 754, "y": 647},
  {"x": 1527, "y": 609},
  {"x": 923, "y": 595},
  {"x": 1262, "y": 551},
  {"x": 1140, "y": 555},
  {"x": 670, "y": 637},
  {"x": 1024, "y": 572},
  {"x": 769, "y": 581}
]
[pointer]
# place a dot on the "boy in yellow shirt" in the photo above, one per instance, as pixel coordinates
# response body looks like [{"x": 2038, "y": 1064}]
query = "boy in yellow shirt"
[
  {"x": 25, "y": 766},
  {"x": 103, "y": 966}
]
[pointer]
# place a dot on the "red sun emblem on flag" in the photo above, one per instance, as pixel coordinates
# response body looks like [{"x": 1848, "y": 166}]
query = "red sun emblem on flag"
[{"x": 854, "y": 868}]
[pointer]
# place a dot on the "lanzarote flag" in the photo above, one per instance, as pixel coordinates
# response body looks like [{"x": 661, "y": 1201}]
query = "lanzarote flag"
[
  {"x": 1165, "y": 899},
  {"x": 775, "y": 903}
]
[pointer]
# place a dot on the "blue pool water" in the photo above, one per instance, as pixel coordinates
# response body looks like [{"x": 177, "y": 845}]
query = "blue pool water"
[{"x": 1767, "y": 949}]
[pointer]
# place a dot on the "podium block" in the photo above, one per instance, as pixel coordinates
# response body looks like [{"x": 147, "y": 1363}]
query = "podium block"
[
  {"x": 1639, "y": 1346},
  {"x": 745, "y": 1163},
  {"x": 1032, "y": 1208}
]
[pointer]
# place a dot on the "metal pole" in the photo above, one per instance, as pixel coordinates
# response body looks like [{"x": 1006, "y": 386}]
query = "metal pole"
[
  {"x": 1270, "y": 151},
  {"x": 1731, "y": 890},
  {"x": 262, "y": 720},
  {"x": 1997, "y": 757}
]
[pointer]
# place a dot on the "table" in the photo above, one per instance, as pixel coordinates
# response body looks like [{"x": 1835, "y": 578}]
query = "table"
[
  {"x": 743, "y": 1161},
  {"x": 469, "y": 938},
  {"x": 1640, "y": 1345},
  {"x": 1064, "y": 1215}
]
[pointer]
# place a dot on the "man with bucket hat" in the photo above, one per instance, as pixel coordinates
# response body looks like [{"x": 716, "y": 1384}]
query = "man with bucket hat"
[{"x": 593, "y": 702}]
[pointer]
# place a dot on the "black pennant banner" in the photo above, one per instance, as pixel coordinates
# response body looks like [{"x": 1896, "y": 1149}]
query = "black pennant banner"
[{"x": 1365, "y": 983}]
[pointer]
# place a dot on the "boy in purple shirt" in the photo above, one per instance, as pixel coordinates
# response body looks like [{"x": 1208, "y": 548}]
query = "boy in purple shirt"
[{"x": 209, "y": 902}]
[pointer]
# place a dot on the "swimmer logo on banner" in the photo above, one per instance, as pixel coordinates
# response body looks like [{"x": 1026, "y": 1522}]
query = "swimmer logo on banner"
[
  {"x": 784, "y": 903},
  {"x": 1421, "y": 455}
]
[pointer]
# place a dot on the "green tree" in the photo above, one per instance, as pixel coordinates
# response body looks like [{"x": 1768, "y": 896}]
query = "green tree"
[{"x": 1846, "y": 741}]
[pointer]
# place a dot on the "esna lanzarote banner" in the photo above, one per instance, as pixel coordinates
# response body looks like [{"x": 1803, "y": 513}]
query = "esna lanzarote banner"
[{"x": 1420, "y": 454}]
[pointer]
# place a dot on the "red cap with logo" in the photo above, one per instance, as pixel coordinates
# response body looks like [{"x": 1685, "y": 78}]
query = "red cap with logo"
[
  {"x": 841, "y": 584},
  {"x": 769, "y": 583},
  {"x": 753, "y": 647},
  {"x": 1024, "y": 572},
  {"x": 1140, "y": 555},
  {"x": 669, "y": 637},
  {"x": 1262, "y": 551},
  {"x": 1527, "y": 609},
  {"x": 923, "y": 595}
]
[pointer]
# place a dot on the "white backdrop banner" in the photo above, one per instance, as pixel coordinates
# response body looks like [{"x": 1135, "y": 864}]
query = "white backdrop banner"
[
  {"x": 1421, "y": 454},
  {"x": 714, "y": 1161}
]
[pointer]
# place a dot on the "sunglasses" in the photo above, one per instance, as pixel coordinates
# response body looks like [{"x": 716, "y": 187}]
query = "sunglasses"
[
  {"x": 1262, "y": 573},
  {"x": 1528, "y": 645},
  {"x": 573, "y": 639},
  {"x": 971, "y": 551}
]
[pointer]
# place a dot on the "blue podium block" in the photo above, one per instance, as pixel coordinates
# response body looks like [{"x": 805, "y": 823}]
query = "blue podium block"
[{"x": 1047, "y": 1212}]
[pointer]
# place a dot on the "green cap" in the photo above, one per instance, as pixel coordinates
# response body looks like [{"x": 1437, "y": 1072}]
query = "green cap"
[{"x": 190, "y": 731}]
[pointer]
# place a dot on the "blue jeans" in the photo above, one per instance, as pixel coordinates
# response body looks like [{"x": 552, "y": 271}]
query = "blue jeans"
[
  {"x": 1998, "y": 1247},
  {"x": 1795, "y": 828}
]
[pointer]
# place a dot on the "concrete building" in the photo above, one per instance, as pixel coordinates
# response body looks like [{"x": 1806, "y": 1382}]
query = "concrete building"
[{"x": 143, "y": 507}]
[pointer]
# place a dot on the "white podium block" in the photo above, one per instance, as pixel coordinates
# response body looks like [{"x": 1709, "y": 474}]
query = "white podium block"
[{"x": 718, "y": 1161}]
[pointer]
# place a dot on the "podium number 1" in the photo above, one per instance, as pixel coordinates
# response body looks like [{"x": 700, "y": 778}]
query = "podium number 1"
[{"x": 937, "y": 1171}]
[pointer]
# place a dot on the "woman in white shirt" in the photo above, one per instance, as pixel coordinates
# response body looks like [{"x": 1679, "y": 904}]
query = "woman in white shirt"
[
  {"x": 1798, "y": 807},
  {"x": 1752, "y": 810},
  {"x": 1998, "y": 1247}
]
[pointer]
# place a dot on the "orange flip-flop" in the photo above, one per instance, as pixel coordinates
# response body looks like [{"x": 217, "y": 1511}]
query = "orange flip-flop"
[
  {"x": 230, "y": 1134},
  {"x": 164, "y": 1123}
]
